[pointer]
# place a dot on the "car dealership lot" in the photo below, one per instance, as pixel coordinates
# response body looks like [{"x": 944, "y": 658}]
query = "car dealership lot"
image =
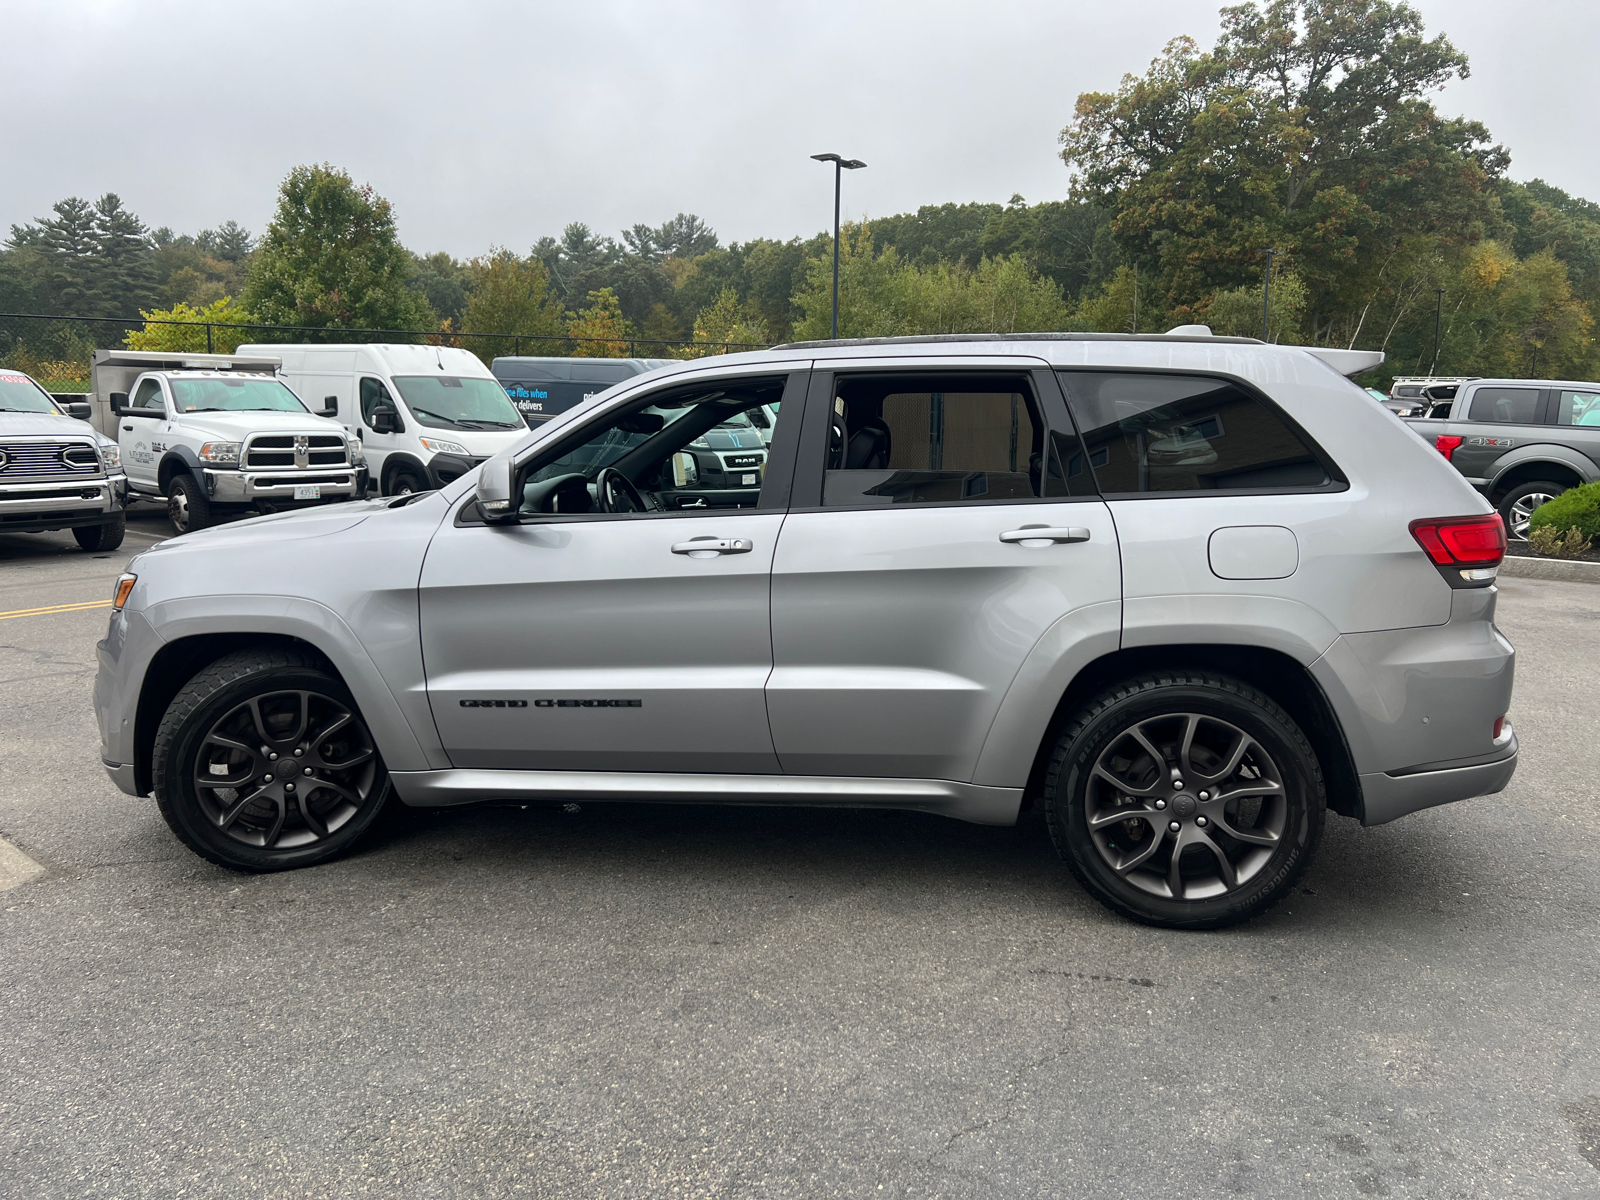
[{"x": 632, "y": 1000}]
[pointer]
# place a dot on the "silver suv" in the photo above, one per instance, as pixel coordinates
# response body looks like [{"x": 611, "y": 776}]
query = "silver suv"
[{"x": 1181, "y": 593}]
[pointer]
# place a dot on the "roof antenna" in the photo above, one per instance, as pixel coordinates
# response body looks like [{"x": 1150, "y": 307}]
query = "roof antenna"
[{"x": 438, "y": 356}]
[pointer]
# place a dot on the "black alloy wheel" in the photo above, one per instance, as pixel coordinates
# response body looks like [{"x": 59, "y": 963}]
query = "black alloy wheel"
[
  {"x": 263, "y": 763},
  {"x": 1517, "y": 506},
  {"x": 406, "y": 480},
  {"x": 1188, "y": 800}
]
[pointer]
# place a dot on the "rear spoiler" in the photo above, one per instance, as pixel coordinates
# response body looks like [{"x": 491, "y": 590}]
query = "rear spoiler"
[{"x": 1348, "y": 362}]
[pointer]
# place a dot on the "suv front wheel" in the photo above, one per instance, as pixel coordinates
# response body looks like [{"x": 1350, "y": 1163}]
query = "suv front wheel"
[
  {"x": 262, "y": 763},
  {"x": 1189, "y": 800}
]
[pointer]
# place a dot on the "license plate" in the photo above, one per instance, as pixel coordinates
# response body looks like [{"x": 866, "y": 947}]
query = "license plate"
[
  {"x": 749, "y": 481},
  {"x": 307, "y": 491}
]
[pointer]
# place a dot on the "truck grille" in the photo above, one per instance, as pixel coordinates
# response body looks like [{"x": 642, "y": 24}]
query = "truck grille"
[
  {"x": 47, "y": 460},
  {"x": 290, "y": 451}
]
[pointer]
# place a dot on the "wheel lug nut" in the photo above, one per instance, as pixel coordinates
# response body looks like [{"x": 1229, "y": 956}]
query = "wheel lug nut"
[
  {"x": 1174, "y": 826},
  {"x": 273, "y": 757},
  {"x": 1201, "y": 821},
  {"x": 1161, "y": 803},
  {"x": 266, "y": 779},
  {"x": 288, "y": 787},
  {"x": 1177, "y": 783},
  {"x": 307, "y": 771},
  {"x": 1205, "y": 795},
  {"x": 299, "y": 750}
]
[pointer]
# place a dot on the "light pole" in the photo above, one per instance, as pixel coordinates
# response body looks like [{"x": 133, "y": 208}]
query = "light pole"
[
  {"x": 840, "y": 165},
  {"x": 1438, "y": 315},
  {"x": 1266, "y": 293}
]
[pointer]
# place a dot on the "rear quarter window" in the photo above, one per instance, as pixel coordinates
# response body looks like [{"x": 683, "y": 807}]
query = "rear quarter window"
[{"x": 1158, "y": 433}]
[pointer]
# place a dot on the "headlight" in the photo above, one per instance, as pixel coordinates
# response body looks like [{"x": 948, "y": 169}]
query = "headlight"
[
  {"x": 358, "y": 452},
  {"x": 220, "y": 452},
  {"x": 111, "y": 457},
  {"x": 439, "y": 447}
]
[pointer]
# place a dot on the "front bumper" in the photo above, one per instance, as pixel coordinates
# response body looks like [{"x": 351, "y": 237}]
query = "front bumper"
[
  {"x": 247, "y": 487},
  {"x": 34, "y": 507}
]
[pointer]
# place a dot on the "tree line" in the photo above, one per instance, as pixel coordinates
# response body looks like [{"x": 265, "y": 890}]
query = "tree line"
[{"x": 1306, "y": 130}]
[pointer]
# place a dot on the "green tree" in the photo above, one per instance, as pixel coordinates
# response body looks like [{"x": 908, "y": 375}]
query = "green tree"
[
  {"x": 723, "y": 325},
  {"x": 602, "y": 326},
  {"x": 158, "y": 335},
  {"x": 122, "y": 276},
  {"x": 330, "y": 258},
  {"x": 508, "y": 294}
]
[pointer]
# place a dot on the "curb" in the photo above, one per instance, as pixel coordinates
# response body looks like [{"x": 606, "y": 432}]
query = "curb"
[{"x": 1565, "y": 570}]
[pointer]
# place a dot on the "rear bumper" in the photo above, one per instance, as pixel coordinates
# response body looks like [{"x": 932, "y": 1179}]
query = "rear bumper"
[
  {"x": 1388, "y": 795},
  {"x": 246, "y": 487}
]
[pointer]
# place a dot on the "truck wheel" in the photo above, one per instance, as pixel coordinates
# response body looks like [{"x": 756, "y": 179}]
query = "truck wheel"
[
  {"x": 263, "y": 763},
  {"x": 1517, "y": 505},
  {"x": 1185, "y": 799},
  {"x": 187, "y": 504},
  {"x": 406, "y": 480},
  {"x": 106, "y": 536}
]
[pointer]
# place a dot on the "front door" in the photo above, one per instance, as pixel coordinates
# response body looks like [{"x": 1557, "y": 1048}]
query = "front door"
[
  {"x": 623, "y": 623},
  {"x": 142, "y": 438},
  {"x": 906, "y": 601},
  {"x": 379, "y": 443}
]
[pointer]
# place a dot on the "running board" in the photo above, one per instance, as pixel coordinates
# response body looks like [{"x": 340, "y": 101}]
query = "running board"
[{"x": 963, "y": 801}]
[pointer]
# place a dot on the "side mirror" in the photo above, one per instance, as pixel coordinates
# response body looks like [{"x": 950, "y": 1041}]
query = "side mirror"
[
  {"x": 685, "y": 470},
  {"x": 330, "y": 406},
  {"x": 385, "y": 420},
  {"x": 495, "y": 478},
  {"x": 119, "y": 401},
  {"x": 77, "y": 408}
]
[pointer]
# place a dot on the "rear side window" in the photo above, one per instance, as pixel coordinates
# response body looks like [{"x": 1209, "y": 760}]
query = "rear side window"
[
  {"x": 1186, "y": 433},
  {"x": 928, "y": 440},
  {"x": 1506, "y": 406},
  {"x": 1578, "y": 408}
]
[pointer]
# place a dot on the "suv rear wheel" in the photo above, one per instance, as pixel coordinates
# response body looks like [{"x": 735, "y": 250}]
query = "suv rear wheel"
[
  {"x": 1517, "y": 505},
  {"x": 262, "y": 763},
  {"x": 1188, "y": 800}
]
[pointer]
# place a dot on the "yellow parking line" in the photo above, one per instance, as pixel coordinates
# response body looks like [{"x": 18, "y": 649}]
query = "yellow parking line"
[{"x": 54, "y": 608}]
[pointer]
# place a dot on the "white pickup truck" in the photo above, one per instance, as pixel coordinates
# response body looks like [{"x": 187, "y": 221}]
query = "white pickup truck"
[{"x": 216, "y": 433}]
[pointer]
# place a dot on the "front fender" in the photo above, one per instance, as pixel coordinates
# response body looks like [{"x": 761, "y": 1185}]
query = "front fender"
[{"x": 178, "y": 459}]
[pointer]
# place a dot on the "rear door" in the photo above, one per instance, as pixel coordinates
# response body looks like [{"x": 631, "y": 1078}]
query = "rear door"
[
  {"x": 1497, "y": 420},
  {"x": 944, "y": 520}
]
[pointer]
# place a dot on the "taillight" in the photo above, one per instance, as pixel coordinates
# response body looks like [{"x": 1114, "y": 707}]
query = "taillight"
[
  {"x": 1446, "y": 445},
  {"x": 1470, "y": 548}
]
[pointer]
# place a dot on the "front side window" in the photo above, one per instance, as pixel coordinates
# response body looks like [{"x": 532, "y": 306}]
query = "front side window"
[
  {"x": 375, "y": 398},
  {"x": 686, "y": 449},
  {"x": 1506, "y": 406},
  {"x": 232, "y": 395},
  {"x": 936, "y": 440},
  {"x": 1186, "y": 433},
  {"x": 455, "y": 402},
  {"x": 18, "y": 393},
  {"x": 1578, "y": 408},
  {"x": 147, "y": 395}
]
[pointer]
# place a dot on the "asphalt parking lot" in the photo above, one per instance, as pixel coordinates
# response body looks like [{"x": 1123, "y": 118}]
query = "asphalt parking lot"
[{"x": 640, "y": 1001}]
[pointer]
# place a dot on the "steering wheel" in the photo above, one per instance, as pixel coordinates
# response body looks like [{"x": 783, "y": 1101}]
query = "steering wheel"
[{"x": 612, "y": 487}]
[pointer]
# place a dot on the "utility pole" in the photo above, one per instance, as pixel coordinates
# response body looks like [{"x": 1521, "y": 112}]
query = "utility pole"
[
  {"x": 840, "y": 165},
  {"x": 1136, "y": 298},
  {"x": 1438, "y": 316},
  {"x": 1266, "y": 293}
]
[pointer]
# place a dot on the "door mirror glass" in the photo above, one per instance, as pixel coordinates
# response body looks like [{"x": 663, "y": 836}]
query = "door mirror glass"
[
  {"x": 685, "y": 471},
  {"x": 119, "y": 402}
]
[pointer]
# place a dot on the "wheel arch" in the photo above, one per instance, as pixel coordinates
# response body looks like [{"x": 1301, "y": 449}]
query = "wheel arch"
[
  {"x": 1553, "y": 463},
  {"x": 190, "y": 643},
  {"x": 393, "y": 462},
  {"x": 1280, "y": 676},
  {"x": 176, "y": 460}
]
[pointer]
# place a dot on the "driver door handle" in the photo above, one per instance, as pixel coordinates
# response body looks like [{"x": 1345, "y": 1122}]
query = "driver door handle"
[
  {"x": 1046, "y": 533},
  {"x": 707, "y": 547}
]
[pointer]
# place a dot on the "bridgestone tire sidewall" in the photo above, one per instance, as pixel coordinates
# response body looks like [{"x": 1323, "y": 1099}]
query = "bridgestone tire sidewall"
[
  {"x": 1087, "y": 737},
  {"x": 193, "y": 712}
]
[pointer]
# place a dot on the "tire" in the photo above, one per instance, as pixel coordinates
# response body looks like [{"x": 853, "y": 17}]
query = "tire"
[
  {"x": 1238, "y": 852},
  {"x": 1517, "y": 505},
  {"x": 240, "y": 705},
  {"x": 107, "y": 535},
  {"x": 406, "y": 480},
  {"x": 188, "y": 506}
]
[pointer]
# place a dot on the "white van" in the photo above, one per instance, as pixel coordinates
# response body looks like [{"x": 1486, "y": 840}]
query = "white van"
[{"x": 426, "y": 414}]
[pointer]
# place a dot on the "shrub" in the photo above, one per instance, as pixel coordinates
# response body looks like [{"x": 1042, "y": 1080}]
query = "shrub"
[
  {"x": 1577, "y": 507},
  {"x": 1571, "y": 544}
]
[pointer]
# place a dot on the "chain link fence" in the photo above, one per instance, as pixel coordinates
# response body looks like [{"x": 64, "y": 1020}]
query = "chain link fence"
[{"x": 56, "y": 350}]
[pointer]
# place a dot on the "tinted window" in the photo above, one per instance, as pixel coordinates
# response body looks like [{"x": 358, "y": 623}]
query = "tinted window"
[
  {"x": 934, "y": 441},
  {"x": 1506, "y": 406},
  {"x": 1183, "y": 433},
  {"x": 1578, "y": 408}
]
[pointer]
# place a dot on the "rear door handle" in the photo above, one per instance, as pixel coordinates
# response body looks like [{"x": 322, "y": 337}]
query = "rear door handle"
[
  {"x": 1040, "y": 535},
  {"x": 710, "y": 547}
]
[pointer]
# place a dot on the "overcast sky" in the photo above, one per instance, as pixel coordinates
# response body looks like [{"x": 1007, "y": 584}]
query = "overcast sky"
[{"x": 494, "y": 122}]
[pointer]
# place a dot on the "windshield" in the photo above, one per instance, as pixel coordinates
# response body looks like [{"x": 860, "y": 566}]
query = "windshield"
[
  {"x": 455, "y": 402},
  {"x": 18, "y": 393},
  {"x": 234, "y": 395}
]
